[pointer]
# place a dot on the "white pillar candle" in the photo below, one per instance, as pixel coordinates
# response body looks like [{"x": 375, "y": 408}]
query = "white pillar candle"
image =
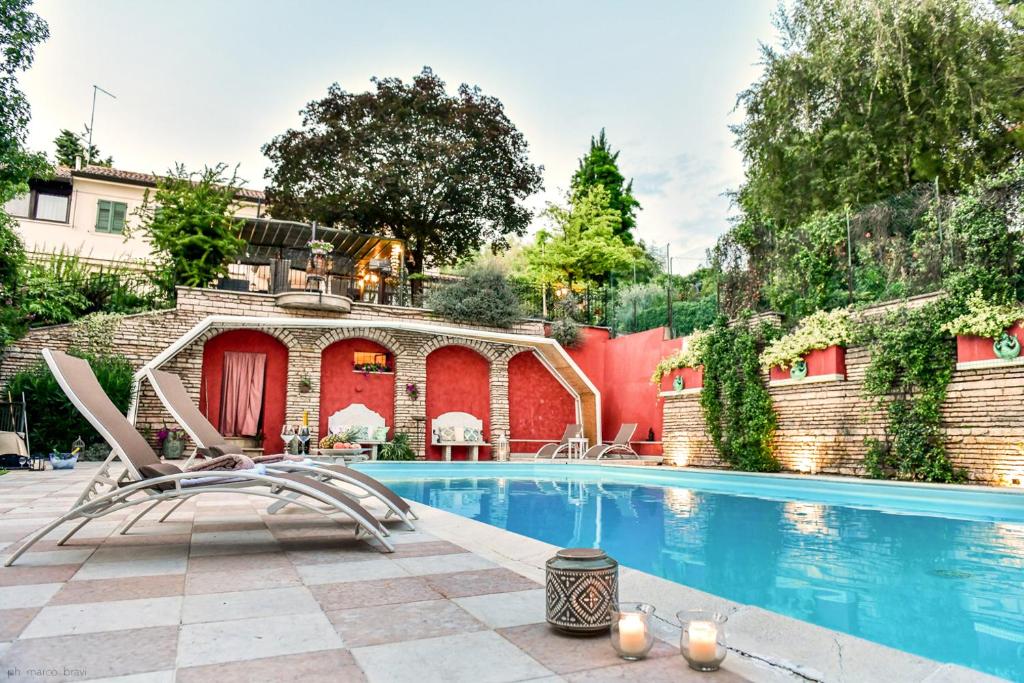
[
  {"x": 703, "y": 642},
  {"x": 632, "y": 634}
]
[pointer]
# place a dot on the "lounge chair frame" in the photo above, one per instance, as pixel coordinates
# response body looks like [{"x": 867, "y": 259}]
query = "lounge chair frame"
[
  {"x": 554, "y": 449},
  {"x": 619, "y": 447},
  {"x": 188, "y": 417},
  {"x": 105, "y": 494}
]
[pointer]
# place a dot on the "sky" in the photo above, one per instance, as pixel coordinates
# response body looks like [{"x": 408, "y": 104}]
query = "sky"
[{"x": 203, "y": 82}]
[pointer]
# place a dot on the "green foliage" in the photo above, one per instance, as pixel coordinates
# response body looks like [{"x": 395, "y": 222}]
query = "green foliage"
[
  {"x": 984, "y": 319},
  {"x": 600, "y": 167},
  {"x": 583, "y": 245},
  {"x": 190, "y": 223},
  {"x": 396, "y": 449},
  {"x": 566, "y": 332},
  {"x": 690, "y": 356},
  {"x": 737, "y": 408},
  {"x": 484, "y": 296},
  {"x": 911, "y": 366},
  {"x": 865, "y": 99},
  {"x": 446, "y": 173},
  {"x": 54, "y": 422},
  {"x": 69, "y": 146},
  {"x": 808, "y": 267},
  {"x": 817, "y": 331}
]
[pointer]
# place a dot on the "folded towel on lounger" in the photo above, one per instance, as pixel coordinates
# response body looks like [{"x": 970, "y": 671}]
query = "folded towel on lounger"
[
  {"x": 229, "y": 461},
  {"x": 278, "y": 457}
]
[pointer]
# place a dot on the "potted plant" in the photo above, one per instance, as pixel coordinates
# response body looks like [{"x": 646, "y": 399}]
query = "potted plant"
[
  {"x": 320, "y": 247},
  {"x": 412, "y": 391},
  {"x": 171, "y": 442},
  {"x": 987, "y": 331},
  {"x": 683, "y": 369},
  {"x": 817, "y": 347},
  {"x": 305, "y": 384}
]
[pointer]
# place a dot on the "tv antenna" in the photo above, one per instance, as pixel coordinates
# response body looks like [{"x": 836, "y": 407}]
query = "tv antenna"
[{"x": 92, "y": 117}]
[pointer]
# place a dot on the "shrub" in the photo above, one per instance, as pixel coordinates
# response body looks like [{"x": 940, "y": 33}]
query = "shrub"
[
  {"x": 984, "y": 319},
  {"x": 53, "y": 422},
  {"x": 817, "y": 331},
  {"x": 483, "y": 296},
  {"x": 690, "y": 356},
  {"x": 566, "y": 332},
  {"x": 396, "y": 449}
]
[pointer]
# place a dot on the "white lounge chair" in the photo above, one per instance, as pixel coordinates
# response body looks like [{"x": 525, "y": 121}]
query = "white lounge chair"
[
  {"x": 618, "y": 448},
  {"x": 148, "y": 480},
  {"x": 172, "y": 393},
  {"x": 560, "y": 448}
]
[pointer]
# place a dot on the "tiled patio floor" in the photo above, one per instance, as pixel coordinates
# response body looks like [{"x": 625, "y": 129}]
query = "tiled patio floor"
[{"x": 222, "y": 591}]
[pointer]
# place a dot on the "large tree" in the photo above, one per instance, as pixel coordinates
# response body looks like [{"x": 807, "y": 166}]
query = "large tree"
[
  {"x": 446, "y": 173},
  {"x": 583, "y": 245},
  {"x": 865, "y": 99},
  {"x": 20, "y": 31},
  {"x": 69, "y": 146},
  {"x": 601, "y": 167}
]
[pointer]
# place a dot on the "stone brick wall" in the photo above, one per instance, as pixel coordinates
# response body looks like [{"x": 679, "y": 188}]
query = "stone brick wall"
[
  {"x": 823, "y": 426},
  {"x": 141, "y": 337}
]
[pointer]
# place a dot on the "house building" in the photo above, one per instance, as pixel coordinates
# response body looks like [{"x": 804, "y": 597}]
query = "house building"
[{"x": 87, "y": 210}]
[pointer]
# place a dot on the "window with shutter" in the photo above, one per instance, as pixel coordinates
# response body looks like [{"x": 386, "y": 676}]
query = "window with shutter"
[{"x": 110, "y": 216}]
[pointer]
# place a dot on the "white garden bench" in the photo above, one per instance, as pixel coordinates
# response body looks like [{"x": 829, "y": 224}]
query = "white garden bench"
[
  {"x": 358, "y": 415},
  {"x": 449, "y": 430}
]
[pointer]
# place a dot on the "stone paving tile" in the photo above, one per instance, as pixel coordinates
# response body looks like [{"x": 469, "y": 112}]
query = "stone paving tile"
[
  {"x": 314, "y": 551},
  {"x": 240, "y": 639},
  {"x": 98, "y": 655},
  {"x": 32, "y": 595},
  {"x": 128, "y": 588},
  {"x": 50, "y": 558},
  {"x": 566, "y": 654},
  {"x": 443, "y": 564},
  {"x": 364, "y": 626},
  {"x": 18, "y": 575},
  {"x": 14, "y": 621},
  {"x": 251, "y": 579},
  {"x": 116, "y": 615},
  {"x": 423, "y": 549},
  {"x": 233, "y": 562},
  {"x": 335, "y": 596},
  {"x": 657, "y": 670},
  {"x": 324, "y": 666},
  {"x": 480, "y": 657},
  {"x": 341, "y": 572},
  {"x": 501, "y": 610},
  {"x": 248, "y": 604},
  {"x": 463, "y": 584}
]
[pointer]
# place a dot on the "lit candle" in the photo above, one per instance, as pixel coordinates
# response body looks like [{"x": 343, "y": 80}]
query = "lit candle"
[
  {"x": 703, "y": 642},
  {"x": 632, "y": 634},
  {"x": 305, "y": 418}
]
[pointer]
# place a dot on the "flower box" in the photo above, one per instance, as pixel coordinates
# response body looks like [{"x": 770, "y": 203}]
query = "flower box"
[
  {"x": 972, "y": 349},
  {"x": 693, "y": 378},
  {"x": 827, "y": 364}
]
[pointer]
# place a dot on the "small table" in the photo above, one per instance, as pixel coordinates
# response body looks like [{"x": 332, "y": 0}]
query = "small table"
[
  {"x": 474, "y": 452},
  {"x": 344, "y": 455},
  {"x": 577, "y": 447}
]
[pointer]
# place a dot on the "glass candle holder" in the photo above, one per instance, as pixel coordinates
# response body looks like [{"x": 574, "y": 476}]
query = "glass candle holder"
[
  {"x": 631, "y": 633},
  {"x": 703, "y": 640}
]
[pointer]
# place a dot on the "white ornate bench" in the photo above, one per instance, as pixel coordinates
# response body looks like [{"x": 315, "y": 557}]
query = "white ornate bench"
[
  {"x": 358, "y": 415},
  {"x": 458, "y": 429}
]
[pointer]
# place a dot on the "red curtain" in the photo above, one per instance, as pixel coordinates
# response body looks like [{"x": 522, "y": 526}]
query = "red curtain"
[{"x": 242, "y": 397}]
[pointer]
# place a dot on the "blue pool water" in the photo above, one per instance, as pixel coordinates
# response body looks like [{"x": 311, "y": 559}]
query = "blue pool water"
[{"x": 933, "y": 571}]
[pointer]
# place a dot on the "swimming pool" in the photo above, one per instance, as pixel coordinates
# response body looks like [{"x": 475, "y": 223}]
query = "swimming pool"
[{"x": 936, "y": 571}]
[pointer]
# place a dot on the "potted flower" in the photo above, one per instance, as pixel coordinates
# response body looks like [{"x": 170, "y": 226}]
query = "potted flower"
[
  {"x": 817, "y": 347},
  {"x": 305, "y": 384},
  {"x": 685, "y": 368},
  {"x": 987, "y": 331},
  {"x": 171, "y": 442},
  {"x": 320, "y": 247},
  {"x": 412, "y": 391}
]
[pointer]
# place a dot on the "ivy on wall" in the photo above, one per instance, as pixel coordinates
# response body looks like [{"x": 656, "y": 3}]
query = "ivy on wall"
[
  {"x": 912, "y": 361},
  {"x": 737, "y": 408}
]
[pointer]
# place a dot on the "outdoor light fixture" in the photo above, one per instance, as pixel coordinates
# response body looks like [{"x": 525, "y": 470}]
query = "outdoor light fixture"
[
  {"x": 702, "y": 642},
  {"x": 631, "y": 632},
  {"x": 582, "y": 589}
]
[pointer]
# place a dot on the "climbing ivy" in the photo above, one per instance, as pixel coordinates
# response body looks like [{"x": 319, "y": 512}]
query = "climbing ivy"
[
  {"x": 736, "y": 405},
  {"x": 910, "y": 370}
]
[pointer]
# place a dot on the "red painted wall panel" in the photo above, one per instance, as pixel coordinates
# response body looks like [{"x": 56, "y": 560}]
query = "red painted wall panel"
[
  {"x": 972, "y": 348},
  {"x": 693, "y": 378},
  {"x": 458, "y": 379},
  {"x": 827, "y": 361},
  {"x": 539, "y": 406},
  {"x": 341, "y": 386},
  {"x": 275, "y": 391}
]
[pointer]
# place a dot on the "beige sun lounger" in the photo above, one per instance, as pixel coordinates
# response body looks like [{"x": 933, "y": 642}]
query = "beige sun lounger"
[
  {"x": 147, "y": 480},
  {"x": 618, "y": 448},
  {"x": 561, "y": 448},
  {"x": 172, "y": 393}
]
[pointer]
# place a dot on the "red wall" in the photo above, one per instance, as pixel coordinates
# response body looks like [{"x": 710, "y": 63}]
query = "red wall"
[
  {"x": 341, "y": 385},
  {"x": 827, "y": 361},
  {"x": 274, "y": 387},
  {"x": 458, "y": 379},
  {"x": 539, "y": 406},
  {"x": 621, "y": 368},
  {"x": 970, "y": 348}
]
